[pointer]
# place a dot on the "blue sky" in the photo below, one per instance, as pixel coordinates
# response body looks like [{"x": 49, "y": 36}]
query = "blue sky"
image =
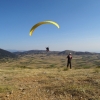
[{"x": 79, "y": 22}]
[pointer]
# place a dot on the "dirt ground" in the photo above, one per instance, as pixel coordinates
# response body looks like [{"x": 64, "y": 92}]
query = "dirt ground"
[
  {"x": 52, "y": 84},
  {"x": 19, "y": 81}
]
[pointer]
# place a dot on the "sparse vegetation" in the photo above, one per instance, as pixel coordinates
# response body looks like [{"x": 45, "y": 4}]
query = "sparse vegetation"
[
  {"x": 97, "y": 70},
  {"x": 41, "y": 77},
  {"x": 65, "y": 69},
  {"x": 5, "y": 88}
]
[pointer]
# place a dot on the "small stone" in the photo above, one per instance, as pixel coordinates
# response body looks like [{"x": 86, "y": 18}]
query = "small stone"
[
  {"x": 7, "y": 95},
  {"x": 20, "y": 88}
]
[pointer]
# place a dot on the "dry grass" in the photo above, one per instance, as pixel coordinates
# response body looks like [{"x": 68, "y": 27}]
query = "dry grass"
[{"x": 42, "y": 77}]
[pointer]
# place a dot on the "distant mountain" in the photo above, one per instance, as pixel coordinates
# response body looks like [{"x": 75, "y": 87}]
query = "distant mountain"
[
  {"x": 66, "y": 52},
  {"x": 76, "y": 52},
  {"x": 6, "y": 54},
  {"x": 36, "y": 52},
  {"x": 15, "y": 50}
]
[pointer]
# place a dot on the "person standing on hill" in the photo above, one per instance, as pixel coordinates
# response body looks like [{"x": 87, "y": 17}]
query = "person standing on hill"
[{"x": 69, "y": 58}]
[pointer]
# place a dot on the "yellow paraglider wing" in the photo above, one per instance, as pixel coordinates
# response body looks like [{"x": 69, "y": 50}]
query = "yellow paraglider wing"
[{"x": 40, "y": 23}]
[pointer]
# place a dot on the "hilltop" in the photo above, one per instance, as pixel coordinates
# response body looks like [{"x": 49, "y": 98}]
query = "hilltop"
[
  {"x": 43, "y": 77},
  {"x": 65, "y": 52},
  {"x": 6, "y": 54}
]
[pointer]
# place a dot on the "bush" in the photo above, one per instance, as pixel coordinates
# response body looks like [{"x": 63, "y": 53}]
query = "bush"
[{"x": 65, "y": 69}]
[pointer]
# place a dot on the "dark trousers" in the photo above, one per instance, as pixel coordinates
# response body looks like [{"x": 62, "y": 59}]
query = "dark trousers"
[{"x": 69, "y": 63}]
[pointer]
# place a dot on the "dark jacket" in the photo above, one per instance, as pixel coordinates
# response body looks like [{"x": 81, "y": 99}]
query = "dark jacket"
[{"x": 69, "y": 58}]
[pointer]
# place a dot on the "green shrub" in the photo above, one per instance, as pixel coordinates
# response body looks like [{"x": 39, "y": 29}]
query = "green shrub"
[{"x": 65, "y": 69}]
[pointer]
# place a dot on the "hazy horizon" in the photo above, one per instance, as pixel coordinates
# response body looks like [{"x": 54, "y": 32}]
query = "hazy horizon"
[{"x": 13, "y": 50}]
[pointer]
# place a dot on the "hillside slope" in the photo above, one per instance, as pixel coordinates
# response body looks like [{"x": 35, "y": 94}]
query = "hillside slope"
[
  {"x": 6, "y": 54},
  {"x": 65, "y": 52}
]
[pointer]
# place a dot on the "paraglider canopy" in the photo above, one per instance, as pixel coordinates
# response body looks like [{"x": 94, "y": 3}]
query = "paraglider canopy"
[{"x": 41, "y": 23}]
